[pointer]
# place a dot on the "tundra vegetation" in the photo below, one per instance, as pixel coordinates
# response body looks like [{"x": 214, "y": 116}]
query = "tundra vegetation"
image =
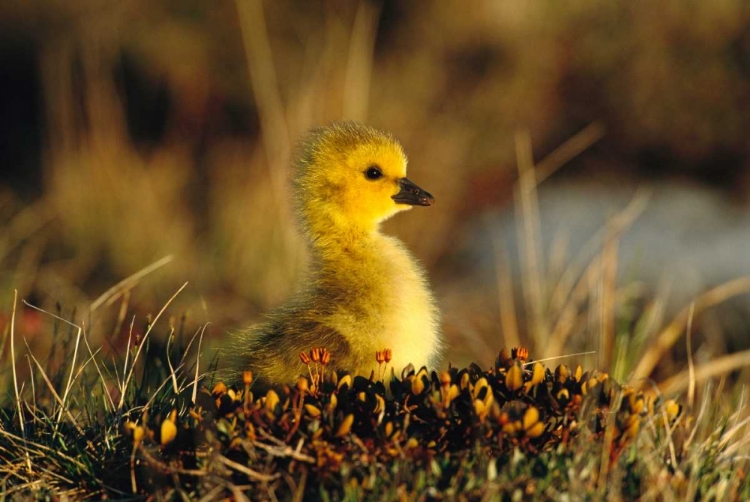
[{"x": 165, "y": 128}]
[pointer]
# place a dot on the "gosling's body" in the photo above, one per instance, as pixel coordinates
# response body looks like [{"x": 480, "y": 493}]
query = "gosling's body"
[{"x": 364, "y": 291}]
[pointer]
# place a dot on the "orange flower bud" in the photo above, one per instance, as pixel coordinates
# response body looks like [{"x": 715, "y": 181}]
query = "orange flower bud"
[
  {"x": 520, "y": 353},
  {"x": 445, "y": 378},
  {"x": 302, "y": 384},
  {"x": 247, "y": 377}
]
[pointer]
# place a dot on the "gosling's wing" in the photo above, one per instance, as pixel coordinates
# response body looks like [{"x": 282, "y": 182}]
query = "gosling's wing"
[
  {"x": 299, "y": 334},
  {"x": 272, "y": 349}
]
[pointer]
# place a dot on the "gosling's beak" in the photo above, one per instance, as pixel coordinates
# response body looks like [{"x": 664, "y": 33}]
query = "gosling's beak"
[{"x": 413, "y": 195}]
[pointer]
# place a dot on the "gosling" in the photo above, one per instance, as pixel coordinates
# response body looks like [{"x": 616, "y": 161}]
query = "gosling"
[{"x": 364, "y": 291}]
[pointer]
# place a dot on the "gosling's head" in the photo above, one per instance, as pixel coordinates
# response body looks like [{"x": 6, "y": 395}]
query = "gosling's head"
[{"x": 353, "y": 176}]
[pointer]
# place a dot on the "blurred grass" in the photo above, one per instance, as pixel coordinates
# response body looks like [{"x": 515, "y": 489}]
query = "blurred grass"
[{"x": 168, "y": 126}]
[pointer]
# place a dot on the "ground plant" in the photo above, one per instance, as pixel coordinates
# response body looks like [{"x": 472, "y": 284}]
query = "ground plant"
[{"x": 153, "y": 423}]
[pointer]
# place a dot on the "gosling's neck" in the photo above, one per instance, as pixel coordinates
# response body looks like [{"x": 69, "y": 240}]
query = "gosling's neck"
[{"x": 336, "y": 241}]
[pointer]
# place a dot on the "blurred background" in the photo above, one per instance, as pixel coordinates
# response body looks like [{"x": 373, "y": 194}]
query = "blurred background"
[{"x": 590, "y": 161}]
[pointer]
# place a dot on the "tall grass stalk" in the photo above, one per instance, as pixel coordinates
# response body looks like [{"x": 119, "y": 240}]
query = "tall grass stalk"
[
  {"x": 128, "y": 377},
  {"x": 19, "y": 407}
]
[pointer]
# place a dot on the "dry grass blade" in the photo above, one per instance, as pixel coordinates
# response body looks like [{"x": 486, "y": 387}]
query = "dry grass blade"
[
  {"x": 15, "y": 375},
  {"x": 57, "y": 397},
  {"x": 607, "y": 443},
  {"x": 691, "y": 363},
  {"x": 702, "y": 413},
  {"x": 569, "y": 292},
  {"x": 127, "y": 378},
  {"x": 155, "y": 393},
  {"x": 728, "y": 435},
  {"x": 266, "y": 89},
  {"x": 608, "y": 299},
  {"x": 669, "y": 336},
  {"x": 197, "y": 363},
  {"x": 122, "y": 287},
  {"x": 33, "y": 384},
  {"x": 271, "y": 112},
  {"x": 717, "y": 367},
  {"x": 525, "y": 196},
  {"x": 617, "y": 225},
  {"x": 92, "y": 358},
  {"x": 172, "y": 372},
  {"x": 127, "y": 354},
  {"x": 569, "y": 150},
  {"x": 72, "y": 370},
  {"x": 527, "y": 206},
  {"x": 359, "y": 64},
  {"x": 546, "y": 359},
  {"x": 81, "y": 334},
  {"x": 669, "y": 430},
  {"x": 24, "y": 224},
  {"x": 508, "y": 319}
]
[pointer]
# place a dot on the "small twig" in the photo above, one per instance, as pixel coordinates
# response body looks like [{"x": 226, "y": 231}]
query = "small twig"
[
  {"x": 252, "y": 474},
  {"x": 286, "y": 451},
  {"x": 271, "y": 438},
  {"x": 133, "y": 483},
  {"x": 212, "y": 494},
  {"x": 299, "y": 490},
  {"x": 283, "y": 449},
  {"x": 237, "y": 493},
  {"x": 297, "y": 415},
  {"x": 166, "y": 468}
]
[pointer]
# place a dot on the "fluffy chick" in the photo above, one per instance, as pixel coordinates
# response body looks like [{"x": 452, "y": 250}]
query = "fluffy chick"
[{"x": 364, "y": 291}]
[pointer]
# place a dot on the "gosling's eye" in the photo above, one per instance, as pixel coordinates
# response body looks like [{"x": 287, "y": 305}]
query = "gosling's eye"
[{"x": 373, "y": 173}]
